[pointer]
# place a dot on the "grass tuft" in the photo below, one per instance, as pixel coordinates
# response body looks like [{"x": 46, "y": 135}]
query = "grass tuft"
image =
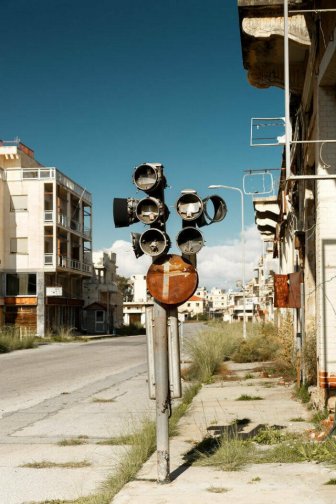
[
  {"x": 80, "y": 440},
  {"x": 15, "y": 338},
  {"x": 246, "y": 397},
  {"x": 47, "y": 464}
]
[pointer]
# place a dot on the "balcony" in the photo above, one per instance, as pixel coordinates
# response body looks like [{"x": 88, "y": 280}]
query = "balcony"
[
  {"x": 73, "y": 264},
  {"x": 49, "y": 174}
]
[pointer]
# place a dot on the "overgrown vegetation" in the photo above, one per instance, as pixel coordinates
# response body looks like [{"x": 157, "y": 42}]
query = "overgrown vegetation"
[
  {"x": 63, "y": 334},
  {"x": 270, "y": 445},
  {"x": 221, "y": 341},
  {"x": 15, "y": 338},
  {"x": 80, "y": 440}
]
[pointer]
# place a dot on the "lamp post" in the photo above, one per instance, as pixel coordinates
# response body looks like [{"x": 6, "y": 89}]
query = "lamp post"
[{"x": 220, "y": 186}]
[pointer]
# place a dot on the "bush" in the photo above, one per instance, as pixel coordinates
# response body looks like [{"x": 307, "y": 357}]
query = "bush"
[{"x": 12, "y": 338}]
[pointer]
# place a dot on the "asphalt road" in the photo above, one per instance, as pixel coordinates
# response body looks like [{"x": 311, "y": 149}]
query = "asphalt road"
[
  {"x": 94, "y": 390},
  {"x": 28, "y": 377}
]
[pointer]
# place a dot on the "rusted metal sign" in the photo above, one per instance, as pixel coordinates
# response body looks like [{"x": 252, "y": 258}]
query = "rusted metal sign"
[
  {"x": 172, "y": 280},
  {"x": 287, "y": 290}
]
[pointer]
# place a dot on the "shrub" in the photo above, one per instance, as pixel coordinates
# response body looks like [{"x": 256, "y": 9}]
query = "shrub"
[{"x": 14, "y": 338}]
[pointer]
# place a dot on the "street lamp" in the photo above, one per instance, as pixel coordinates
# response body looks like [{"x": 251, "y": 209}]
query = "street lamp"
[{"x": 219, "y": 186}]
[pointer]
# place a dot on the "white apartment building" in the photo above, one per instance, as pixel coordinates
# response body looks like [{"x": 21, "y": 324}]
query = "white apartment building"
[
  {"x": 45, "y": 242},
  {"x": 134, "y": 312}
]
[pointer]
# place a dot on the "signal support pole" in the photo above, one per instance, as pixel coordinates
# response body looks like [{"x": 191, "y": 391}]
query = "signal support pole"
[{"x": 161, "y": 392}]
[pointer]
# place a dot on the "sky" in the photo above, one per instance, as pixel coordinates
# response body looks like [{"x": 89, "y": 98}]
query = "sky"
[{"x": 97, "y": 88}]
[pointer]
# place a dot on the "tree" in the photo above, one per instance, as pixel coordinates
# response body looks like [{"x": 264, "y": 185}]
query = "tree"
[{"x": 125, "y": 286}]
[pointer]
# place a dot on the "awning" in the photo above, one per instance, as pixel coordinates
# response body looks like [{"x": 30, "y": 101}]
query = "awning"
[{"x": 267, "y": 213}]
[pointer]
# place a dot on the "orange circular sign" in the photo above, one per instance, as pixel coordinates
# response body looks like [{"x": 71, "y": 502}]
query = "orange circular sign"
[{"x": 171, "y": 279}]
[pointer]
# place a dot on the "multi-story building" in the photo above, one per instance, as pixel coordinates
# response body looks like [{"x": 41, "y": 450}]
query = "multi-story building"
[
  {"x": 45, "y": 242},
  {"x": 291, "y": 44},
  {"x": 134, "y": 311}
]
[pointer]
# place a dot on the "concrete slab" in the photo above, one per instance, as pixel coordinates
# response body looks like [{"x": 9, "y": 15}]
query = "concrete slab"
[{"x": 216, "y": 404}]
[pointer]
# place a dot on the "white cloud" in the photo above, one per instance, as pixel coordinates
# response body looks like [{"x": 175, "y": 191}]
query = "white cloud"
[
  {"x": 127, "y": 263},
  {"x": 221, "y": 265},
  {"x": 217, "y": 266}
]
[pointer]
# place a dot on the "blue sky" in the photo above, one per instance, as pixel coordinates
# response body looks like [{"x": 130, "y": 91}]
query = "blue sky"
[{"x": 97, "y": 88}]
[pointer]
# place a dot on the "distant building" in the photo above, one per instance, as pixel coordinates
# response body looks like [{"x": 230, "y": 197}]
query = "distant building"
[
  {"x": 193, "y": 307},
  {"x": 45, "y": 243},
  {"x": 134, "y": 312},
  {"x": 103, "y": 300}
]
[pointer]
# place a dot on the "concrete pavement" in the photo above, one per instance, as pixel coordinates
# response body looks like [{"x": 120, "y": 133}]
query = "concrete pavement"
[
  {"x": 96, "y": 390},
  {"x": 216, "y": 406}
]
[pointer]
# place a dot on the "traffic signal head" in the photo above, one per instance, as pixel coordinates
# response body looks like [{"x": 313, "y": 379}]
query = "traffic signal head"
[
  {"x": 150, "y": 210},
  {"x": 189, "y": 206},
  {"x": 214, "y": 210},
  {"x": 154, "y": 242},
  {"x": 189, "y": 240},
  {"x": 124, "y": 211},
  {"x": 149, "y": 177}
]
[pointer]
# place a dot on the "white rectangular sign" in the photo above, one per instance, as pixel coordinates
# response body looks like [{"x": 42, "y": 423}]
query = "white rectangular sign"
[{"x": 54, "y": 291}]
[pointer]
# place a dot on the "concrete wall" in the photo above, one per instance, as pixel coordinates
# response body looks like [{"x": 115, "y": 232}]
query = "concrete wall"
[{"x": 326, "y": 238}]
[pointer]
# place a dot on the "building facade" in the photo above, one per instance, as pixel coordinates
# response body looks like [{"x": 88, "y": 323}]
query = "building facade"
[
  {"x": 304, "y": 230},
  {"x": 45, "y": 243},
  {"x": 102, "y": 299}
]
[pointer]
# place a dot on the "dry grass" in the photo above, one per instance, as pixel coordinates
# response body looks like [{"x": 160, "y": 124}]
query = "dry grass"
[
  {"x": 47, "y": 464},
  {"x": 80, "y": 440},
  {"x": 12, "y": 338}
]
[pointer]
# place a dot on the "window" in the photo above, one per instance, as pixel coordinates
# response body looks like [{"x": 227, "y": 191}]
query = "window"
[
  {"x": 19, "y": 245},
  {"x": 20, "y": 284},
  {"x": 100, "y": 316},
  {"x": 19, "y": 203}
]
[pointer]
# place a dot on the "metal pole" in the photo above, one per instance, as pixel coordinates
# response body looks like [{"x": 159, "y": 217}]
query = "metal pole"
[
  {"x": 288, "y": 129},
  {"x": 161, "y": 392},
  {"x": 174, "y": 360},
  {"x": 243, "y": 261}
]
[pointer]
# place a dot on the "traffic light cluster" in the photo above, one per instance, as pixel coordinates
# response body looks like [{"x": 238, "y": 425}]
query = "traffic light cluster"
[{"x": 153, "y": 212}]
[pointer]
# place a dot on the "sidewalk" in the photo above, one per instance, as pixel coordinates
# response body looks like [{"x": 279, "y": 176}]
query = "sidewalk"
[{"x": 216, "y": 406}]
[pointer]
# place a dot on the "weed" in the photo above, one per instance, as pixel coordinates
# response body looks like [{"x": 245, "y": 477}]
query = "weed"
[
  {"x": 297, "y": 419},
  {"x": 102, "y": 400},
  {"x": 248, "y": 376},
  {"x": 118, "y": 440},
  {"x": 80, "y": 440},
  {"x": 272, "y": 435},
  {"x": 232, "y": 454},
  {"x": 255, "y": 480},
  {"x": 298, "y": 450},
  {"x": 302, "y": 394},
  {"x": 246, "y": 397},
  {"x": 317, "y": 417},
  {"x": 214, "y": 489},
  {"x": 46, "y": 464},
  {"x": 332, "y": 481},
  {"x": 15, "y": 338}
]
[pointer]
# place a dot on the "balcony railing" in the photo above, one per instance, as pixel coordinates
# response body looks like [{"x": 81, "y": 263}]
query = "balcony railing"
[
  {"x": 62, "y": 220},
  {"x": 49, "y": 173},
  {"x": 66, "y": 262}
]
